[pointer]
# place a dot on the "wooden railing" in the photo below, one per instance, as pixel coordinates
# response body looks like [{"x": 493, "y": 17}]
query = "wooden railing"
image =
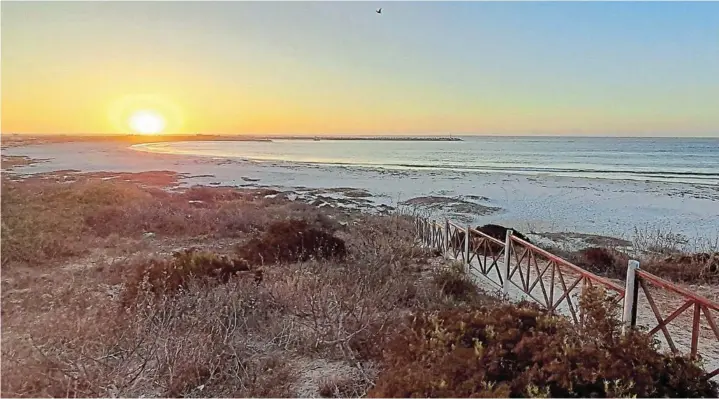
[
  {"x": 646, "y": 285},
  {"x": 517, "y": 266},
  {"x": 530, "y": 260}
]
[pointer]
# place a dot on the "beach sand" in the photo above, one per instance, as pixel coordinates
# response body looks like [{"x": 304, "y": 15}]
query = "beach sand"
[{"x": 534, "y": 204}]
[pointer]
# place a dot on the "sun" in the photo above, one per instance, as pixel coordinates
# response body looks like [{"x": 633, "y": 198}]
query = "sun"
[{"x": 147, "y": 122}]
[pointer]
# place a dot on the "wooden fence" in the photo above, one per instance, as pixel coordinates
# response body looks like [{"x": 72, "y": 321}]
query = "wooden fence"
[{"x": 519, "y": 268}]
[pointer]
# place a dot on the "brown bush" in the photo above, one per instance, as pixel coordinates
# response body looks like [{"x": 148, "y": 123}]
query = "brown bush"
[
  {"x": 492, "y": 230},
  {"x": 32, "y": 231},
  {"x": 292, "y": 241},
  {"x": 44, "y": 221},
  {"x": 520, "y": 351},
  {"x": 685, "y": 268},
  {"x": 454, "y": 283},
  {"x": 213, "y": 194},
  {"x": 681, "y": 268},
  {"x": 602, "y": 261},
  {"x": 456, "y": 240},
  {"x": 500, "y": 232},
  {"x": 165, "y": 276}
]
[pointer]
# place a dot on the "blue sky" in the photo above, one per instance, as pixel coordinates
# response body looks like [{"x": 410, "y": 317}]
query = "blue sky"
[{"x": 609, "y": 68}]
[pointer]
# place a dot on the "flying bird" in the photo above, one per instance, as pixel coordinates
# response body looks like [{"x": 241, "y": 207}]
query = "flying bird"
[{"x": 379, "y": 10}]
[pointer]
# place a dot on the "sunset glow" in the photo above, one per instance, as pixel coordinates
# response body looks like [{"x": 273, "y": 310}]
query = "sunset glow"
[
  {"x": 146, "y": 122},
  {"x": 524, "y": 68}
]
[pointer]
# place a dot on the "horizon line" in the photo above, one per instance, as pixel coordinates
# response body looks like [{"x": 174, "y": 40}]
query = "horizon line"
[{"x": 330, "y": 135}]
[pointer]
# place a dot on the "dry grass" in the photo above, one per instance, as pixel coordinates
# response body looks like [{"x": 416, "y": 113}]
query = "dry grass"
[
  {"x": 693, "y": 268},
  {"x": 459, "y": 287},
  {"x": 43, "y": 222},
  {"x": 91, "y": 308},
  {"x": 68, "y": 330},
  {"x": 659, "y": 241},
  {"x": 685, "y": 268},
  {"x": 670, "y": 264}
]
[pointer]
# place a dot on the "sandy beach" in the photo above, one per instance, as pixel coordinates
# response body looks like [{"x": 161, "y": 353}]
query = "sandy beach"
[{"x": 540, "y": 205}]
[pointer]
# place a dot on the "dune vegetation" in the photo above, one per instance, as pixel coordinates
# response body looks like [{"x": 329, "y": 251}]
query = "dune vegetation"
[{"x": 119, "y": 288}]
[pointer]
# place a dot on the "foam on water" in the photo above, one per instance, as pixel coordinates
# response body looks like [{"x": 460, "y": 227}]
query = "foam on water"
[{"x": 693, "y": 161}]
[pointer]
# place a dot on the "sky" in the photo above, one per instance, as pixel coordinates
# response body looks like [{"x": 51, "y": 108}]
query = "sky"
[{"x": 500, "y": 68}]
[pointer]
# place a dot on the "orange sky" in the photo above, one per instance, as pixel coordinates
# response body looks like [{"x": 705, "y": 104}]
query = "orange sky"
[{"x": 339, "y": 68}]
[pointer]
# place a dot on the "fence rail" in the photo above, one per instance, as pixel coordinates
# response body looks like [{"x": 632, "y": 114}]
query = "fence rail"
[
  {"x": 519, "y": 267},
  {"x": 562, "y": 274},
  {"x": 700, "y": 307}
]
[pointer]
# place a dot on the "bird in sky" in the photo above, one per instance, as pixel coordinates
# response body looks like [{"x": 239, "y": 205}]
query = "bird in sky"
[{"x": 379, "y": 10}]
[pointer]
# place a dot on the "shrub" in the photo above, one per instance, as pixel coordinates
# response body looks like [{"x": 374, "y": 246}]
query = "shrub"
[
  {"x": 44, "y": 221},
  {"x": 292, "y": 241},
  {"x": 165, "y": 276},
  {"x": 683, "y": 268},
  {"x": 212, "y": 194},
  {"x": 454, "y": 283},
  {"x": 688, "y": 268},
  {"x": 32, "y": 232},
  {"x": 495, "y": 231},
  {"x": 500, "y": 232},
  {"x": 602, "y": 261},
  {"x": 522, "y": 351}
]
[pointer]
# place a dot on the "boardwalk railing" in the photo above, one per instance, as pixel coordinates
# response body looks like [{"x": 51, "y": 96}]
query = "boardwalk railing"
[
  {"x": 537, "y": 267},
  {"x": 681, "y": 300},
  {"x": 520, "y": 268}
]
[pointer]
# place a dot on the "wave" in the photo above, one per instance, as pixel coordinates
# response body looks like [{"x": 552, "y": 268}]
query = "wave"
[
  {"x": 656, "y": 172},
  {"x": 526, "y": 169},
  {"x": 563, "y": 170}
]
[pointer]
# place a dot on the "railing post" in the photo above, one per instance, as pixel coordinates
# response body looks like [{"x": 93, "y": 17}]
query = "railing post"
[
  {"x": 446, "y": 236},
  {"x": 466, "y": 247},
  {"x": 434, "y": 235},
  {"x": 424, "y": 232},
  {"x": 507, "y": 260},
  {"x": 631, "y": 293},
  {"x": 438, "y": 233},
  {"x": 427, "y": 234}
]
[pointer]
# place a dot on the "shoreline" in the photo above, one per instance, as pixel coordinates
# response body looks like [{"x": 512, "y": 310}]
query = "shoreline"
[
  {"x": 16, "y": 140},
  {"x": 542, "y": 204}
]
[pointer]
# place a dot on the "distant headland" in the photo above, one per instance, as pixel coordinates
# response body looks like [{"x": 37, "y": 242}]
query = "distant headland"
[
  {"x": 13, "y": 140},
  {"x": 371, "y": 138}
]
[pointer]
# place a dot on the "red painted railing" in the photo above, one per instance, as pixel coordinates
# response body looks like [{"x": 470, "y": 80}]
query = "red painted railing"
[
  {"x": 525, "y": 266},
  {"x": 488, "y": 252},
  {"x": 563, "y": 276},
  {"x": 700, "y": 307}
]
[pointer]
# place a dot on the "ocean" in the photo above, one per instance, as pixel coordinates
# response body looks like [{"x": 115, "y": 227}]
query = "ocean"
[
  {"x": 608, "y": 186},
  {"x": 694, "y": 161}
]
